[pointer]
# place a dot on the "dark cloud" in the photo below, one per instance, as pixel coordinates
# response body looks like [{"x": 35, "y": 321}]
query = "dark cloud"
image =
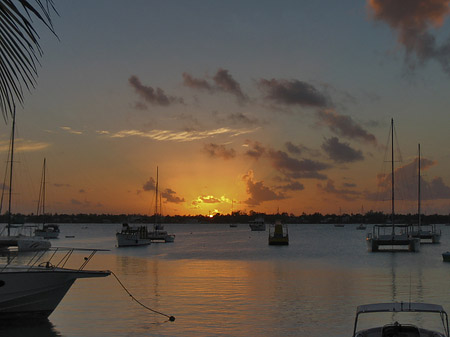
[
  {"x": 293, "y": 186},
  {"x": 150, "y": 95},
  {"x": 223, "y": 82},
  {"x": 294, "y": 168},
  {"x": 219, "y": 151},
  {"x": 293, "y": 92},
  {"x": 258, "y": 192},
  {"x": 345, "y": 126},
  {"x": 341, "y": 152},
  {"x": 413, "y": 20},
  {"x": 241, "y": 119},
  {"x": 343, "y": 193},
  {"x": 293, "y": 148},
  {"x": 227, "y": 83},
  {"x": 196, "y": 83},
  {"x": 256, "y": 150},
  {"x": 171, "y": 197},
  {"x": 149, "y": 185}
]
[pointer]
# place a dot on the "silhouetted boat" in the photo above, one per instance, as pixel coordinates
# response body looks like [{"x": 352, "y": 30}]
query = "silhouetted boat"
[
  {"x": 257, "y": 225},
  {"x": 396, "y": 329},
  {"x": 133, "y": 236}
]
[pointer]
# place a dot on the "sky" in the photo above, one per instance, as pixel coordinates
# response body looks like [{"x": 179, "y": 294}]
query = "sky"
[{"x": 258, "y": 106}]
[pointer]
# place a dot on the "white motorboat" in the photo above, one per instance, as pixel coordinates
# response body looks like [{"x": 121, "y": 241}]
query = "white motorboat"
[
  {"x": 396, "y": 329},
  {"x": 133, "y": 236},
  {"x": 35, "y": 289},
  {"x": 257, "y": 225}
]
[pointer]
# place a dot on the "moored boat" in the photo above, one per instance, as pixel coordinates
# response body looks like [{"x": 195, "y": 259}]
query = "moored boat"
[
  {"x": 396, "y": 329},
  {"x": 133, "y": 236},
  {"x": 257, "y": 225},
  {"x": 278, "y": 234},
  {"x": 446, "y": 256}
]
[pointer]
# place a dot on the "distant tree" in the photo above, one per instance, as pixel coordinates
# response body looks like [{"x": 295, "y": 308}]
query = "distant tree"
[{"x": 19, "y": 48}]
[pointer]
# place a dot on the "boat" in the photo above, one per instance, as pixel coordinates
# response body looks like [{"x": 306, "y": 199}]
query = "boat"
[
  {"x": 393, "y": 236},
  {"x": 158, "y": 234},
  {"x": 396, "y": 329},
  {"x": 15, "y": 237},
  {"x": 446, "y": 256},
  {"x": 133, "y": 236},
  {"x": 47, "y": 231},
  {"x": 278, "y": 234},
  {"x": 33, "y": 290},
  {"x": 426, "y": 233},
  {"x": 257, "y": 225}
]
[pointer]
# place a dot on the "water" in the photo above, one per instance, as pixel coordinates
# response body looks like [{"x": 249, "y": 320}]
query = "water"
[{"x": 222, "y": 281}]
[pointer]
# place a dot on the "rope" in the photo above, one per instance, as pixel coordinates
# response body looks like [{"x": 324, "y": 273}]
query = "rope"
[{"x": 171, "y": 318}]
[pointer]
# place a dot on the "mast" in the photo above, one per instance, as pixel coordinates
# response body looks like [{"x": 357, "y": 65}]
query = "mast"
[
  {"x": 41, "y": 201},
  {"x": 11, "y": 171},
  {"x": 392, "y": 174},
  {"x": 418, "y": 191},
  {"x": 156, "y": 197}
]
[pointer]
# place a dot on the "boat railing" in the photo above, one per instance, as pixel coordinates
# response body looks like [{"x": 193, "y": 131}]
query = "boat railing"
[{"x": 55, "y": 260}]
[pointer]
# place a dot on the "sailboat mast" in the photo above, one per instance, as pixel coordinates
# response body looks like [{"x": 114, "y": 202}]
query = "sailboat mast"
[
  {"x": 43, "y": 191},
  {"x": 392, "y": 173},
  {"x": 11, "y": 170},
  {"x": 156, "y": 196},
  {"x": 418, "y": 191}
]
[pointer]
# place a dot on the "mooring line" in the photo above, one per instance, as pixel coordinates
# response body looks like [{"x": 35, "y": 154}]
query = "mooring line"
[{"x": 171, "y": 318}]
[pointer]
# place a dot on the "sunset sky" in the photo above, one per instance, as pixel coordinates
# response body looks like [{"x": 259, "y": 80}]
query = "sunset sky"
[{"x": 269, "y": 104}]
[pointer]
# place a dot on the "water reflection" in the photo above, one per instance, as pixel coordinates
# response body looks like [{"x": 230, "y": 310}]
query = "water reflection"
[{"x": 43, "y": 328}]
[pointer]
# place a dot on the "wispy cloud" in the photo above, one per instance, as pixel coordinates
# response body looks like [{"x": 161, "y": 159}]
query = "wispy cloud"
[
  {"x": 413, "y": 20},
  {"x": 23, "y": 145},
  {"x": 70, "y": 130},
  {"x": 179, "y": 136}
]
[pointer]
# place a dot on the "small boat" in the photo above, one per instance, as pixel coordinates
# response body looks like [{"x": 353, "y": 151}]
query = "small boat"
[
  {"x": 48, "y": 231},
  {"x": 401, "y": 330},
  {"x": 133, "y": 236},
  {"x": 33, "y": 290},
  {"x": 446, "y": 256},
  {"x": 278, "y": 234},
  {"x": 257, "y": 225}
]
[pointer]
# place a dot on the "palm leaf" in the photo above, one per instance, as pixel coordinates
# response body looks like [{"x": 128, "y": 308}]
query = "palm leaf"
[{"x": 19, "y": 48}]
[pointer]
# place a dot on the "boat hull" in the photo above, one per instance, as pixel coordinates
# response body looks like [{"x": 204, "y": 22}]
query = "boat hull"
[
  {"x": 35, "y": 294},
  {"x": 129, "y": 240}
]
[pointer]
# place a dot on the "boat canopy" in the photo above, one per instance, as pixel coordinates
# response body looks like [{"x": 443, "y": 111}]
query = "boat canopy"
[{"x": 400, "y": 307}]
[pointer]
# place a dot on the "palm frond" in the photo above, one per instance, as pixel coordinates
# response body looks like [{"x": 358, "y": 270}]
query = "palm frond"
[{"x": 19, "y": 48}]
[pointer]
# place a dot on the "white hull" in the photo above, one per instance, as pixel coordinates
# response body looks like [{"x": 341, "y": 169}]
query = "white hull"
[{"x": 132, "y": 239}]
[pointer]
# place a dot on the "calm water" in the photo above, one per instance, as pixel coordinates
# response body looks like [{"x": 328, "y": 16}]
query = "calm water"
[{"x": 222, "y": 281}]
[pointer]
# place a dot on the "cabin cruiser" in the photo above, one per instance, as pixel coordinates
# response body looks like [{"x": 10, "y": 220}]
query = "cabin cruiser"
[
  {"x": 397, "y": 329},
  {"x": 257, "y": 224},
  {"x": 133, "y": 236},
  {"x": 33, "y": 290}
]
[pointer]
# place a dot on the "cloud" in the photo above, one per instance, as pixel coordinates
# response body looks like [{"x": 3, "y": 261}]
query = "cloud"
[
  {"x": 219, "y": 151},
  {"x": 343, "y": 193},
  {"x": 196, "y": 83},
  {"x": 300, "y": 149},
  {"x": 292, "y": 92},
  {"x": 23, "y": 145},
  {"x": 179, "y": 136},
  {"x": 256, "y": 149},
  {"x": 258, "y": 192},
  {"x": 294, "y": 168},
  {"x": 228, "y": 84},
  {"x": 223, "y": 82},
  {"x": 149, "y": 185},
  {"x": 152, "y": 96},
  {"x": 345, "y": 126},
  {"x": 295, "y": 149},
  {"x": 293, "y": 186},
  {"x": 341, "y": 152},
  {"x": 241, "y": 119},
  {"x": 70, "y": 130},
  {"x": 170, "y": 196},
  {"x": 413, "y": 20}
]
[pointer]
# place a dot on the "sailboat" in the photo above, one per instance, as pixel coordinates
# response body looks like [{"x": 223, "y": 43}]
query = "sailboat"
[
  {"x": 392, "y": 235},
  {"x": 159, "y": 234},
  {"x": 424, "y": 231},
  {"x": 48, "y": 231},
  {"x": 18, "y": 239},
  {"x": 361, "y": 226}
]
